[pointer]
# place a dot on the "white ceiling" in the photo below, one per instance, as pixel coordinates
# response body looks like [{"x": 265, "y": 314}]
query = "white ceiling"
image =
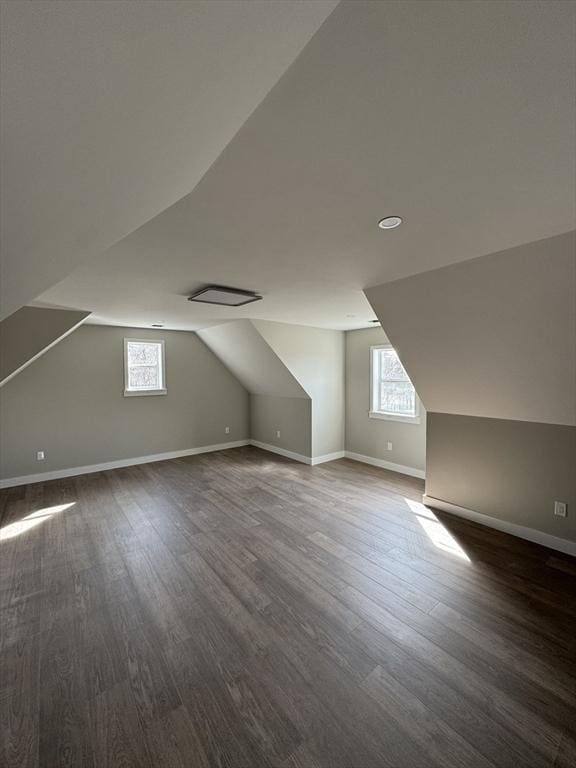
[
  {"x": 112, "y": 110},
  {"x": 457, "y": 116}
]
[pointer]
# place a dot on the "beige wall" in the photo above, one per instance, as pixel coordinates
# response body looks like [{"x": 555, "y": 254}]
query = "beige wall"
[
  {"x": 367, "y": 436},
  {"x": 289, "y": 415},
  {"x": 493, "y": 336},
  {"x": 315, "y": 357},
  {"x": 249, "y": 357},
  {"x": 283, "y": 361},
  {"x": 29, "y": 332},
  {"x": 490, "y": 345},
  {"x": 511, "y": 470},
  {"x": 70, "y": 404}
]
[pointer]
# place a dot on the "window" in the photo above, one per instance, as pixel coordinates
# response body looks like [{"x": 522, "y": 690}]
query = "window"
[
  {"x": 392, "y": 395},
  {"x": 144, "y": 367}
]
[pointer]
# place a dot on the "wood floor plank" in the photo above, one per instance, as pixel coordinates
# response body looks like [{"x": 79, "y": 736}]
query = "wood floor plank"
[
  {"x": 240, "y": 609},
  {"x": 436, "y": 737},
  {"x": 116, "y": 738},
  {"x": 476, "y": 725},
  {"x": 537, "y": 669},
  {"x": 19, "y": 694},
  {"x": 526, "y": 729},
  {"x": 173, "y": 742},
  {"x": 236, "y": 579},
  {"x": 64, "y": 716},
  {"x": 151, "y": 684}
]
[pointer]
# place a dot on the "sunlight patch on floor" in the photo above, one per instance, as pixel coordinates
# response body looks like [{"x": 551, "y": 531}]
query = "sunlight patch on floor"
[
  {"x": 32, "y": 520},
  {"x": 438, "y": 534}
]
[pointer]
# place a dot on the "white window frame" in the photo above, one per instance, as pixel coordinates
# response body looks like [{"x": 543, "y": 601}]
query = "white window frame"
[
  {"x": 139, "y": 392},
  {"x": 373, "y": 412}
]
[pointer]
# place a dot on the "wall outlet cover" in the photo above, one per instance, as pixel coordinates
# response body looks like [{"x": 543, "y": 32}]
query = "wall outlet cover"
[
  {"x": 560, "y": 508},
  {"x": 40, "y": 456}
]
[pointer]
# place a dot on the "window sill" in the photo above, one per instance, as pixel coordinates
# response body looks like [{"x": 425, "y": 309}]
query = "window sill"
[
  {"x": 394, "y": 417},
  {"x": 140, "y": 392}
]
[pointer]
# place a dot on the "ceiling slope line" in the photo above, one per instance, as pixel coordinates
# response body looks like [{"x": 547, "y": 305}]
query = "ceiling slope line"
[
  {"x": 30, "y": 332},
  {"x": 142, "y": 146},
  {"x": 493, "y": 336},
  {"x": 252, "y": 360}
]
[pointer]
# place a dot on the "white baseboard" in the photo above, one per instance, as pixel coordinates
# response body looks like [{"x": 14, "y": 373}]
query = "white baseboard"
[
  {"x": 282, "y": 452},
  {"x": 530, "y": 534},
  {"x": 298, "y": 456},
  {"x": 56, "y": 474},
  {"x": 328, "y": 457},
  {"x": 11, "y": 482},
  {"x": 403, "y": 470}
]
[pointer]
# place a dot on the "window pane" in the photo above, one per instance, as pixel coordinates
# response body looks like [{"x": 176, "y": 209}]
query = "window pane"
[
  {"x": 144, "y": 377},
  {"x": 398, "y": 397},
  {"x": 143, "y": 354},
  {"x": 391, "y": 367}
]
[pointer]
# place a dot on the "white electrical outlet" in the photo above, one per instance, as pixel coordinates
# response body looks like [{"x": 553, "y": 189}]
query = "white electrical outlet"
[
  {"x": 278, "y": 433},
  {"x": 227, "y": 430},
  {"x": 560, "y": 509},
  {"x": 40, "y": 455},
  {"x": 388, "y": 446}
]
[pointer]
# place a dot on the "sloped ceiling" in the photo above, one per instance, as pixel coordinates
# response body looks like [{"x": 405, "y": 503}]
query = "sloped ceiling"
[
  {"x": 315, "y": 356},
  {"x": 458, "y": 116},
  {"x": 312, "y": 355},
  {"x": 243, "y": 350},
  {"x": 113, "y": 111},
  {"x": 29, "y": 333},
  {"x": 495, "y": 336}
]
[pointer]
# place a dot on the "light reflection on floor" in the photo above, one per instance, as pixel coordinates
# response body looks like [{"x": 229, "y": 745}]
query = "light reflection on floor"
[
  {"x": 438, "y": 534},
  {"x": 32, "y": 520}
]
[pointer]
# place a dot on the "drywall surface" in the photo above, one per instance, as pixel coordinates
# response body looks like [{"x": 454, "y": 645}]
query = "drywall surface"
[
  {"x": 279, "y": 361},
  {"x": 494, "y": 336},
  {"x": 459, "y": 115},
  {"x": 244, "y": 351},
  {"x": 29, "y": 332},
  {"x": 315, "y": 357},
  {"x": 112, "y": 111},
  {"x": 511, "y": 470},
  {"x": 367, "y": 436},
  {"x": 291, "y": 416},
  {"x": 70, "y": 404}
]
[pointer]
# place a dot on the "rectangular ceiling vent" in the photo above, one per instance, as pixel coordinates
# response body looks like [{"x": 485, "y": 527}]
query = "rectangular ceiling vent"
[{"x": 227, "y": 297}]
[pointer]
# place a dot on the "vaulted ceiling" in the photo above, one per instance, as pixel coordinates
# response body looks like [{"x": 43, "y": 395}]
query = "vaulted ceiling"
[
  {"x": 113, "y": 111},
  {"x": 457, "y": 116}
]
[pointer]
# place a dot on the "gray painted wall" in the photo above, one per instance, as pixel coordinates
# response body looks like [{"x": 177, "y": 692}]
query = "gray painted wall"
[
  {"x": 490, "y": 345},
  {"x": 290, "y": 415},
  {"x": 250, "y": 358},
  {"x": 511, "y": 470},
  {"x": 315, "y": 357},
  {"x": 368, "y": 436},
  {"x": 493, "y": 336},
  {"x": 31, "y": 331},
  {"x": 70, "y": 404}
]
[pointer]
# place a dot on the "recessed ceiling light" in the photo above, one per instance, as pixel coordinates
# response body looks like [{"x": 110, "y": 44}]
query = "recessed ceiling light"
[
  {"x": 228, "y": 297},
  {"x": 390, "y": 222}
]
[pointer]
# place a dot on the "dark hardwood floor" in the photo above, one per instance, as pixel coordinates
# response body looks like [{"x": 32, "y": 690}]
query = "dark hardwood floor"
[{"x": 239, "y": 609}]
